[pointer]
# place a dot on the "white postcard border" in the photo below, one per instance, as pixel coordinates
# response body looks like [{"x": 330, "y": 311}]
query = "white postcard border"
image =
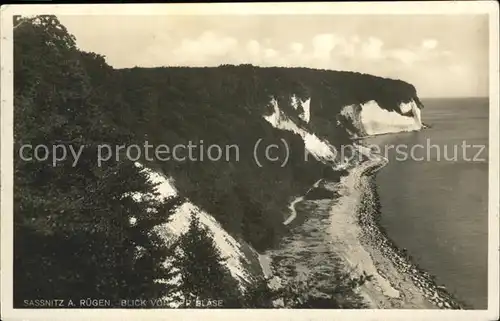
[{"x": 370, "y": 8}]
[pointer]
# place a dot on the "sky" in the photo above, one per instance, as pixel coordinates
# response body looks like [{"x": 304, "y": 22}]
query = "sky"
[{"x": 441, "y": 55}]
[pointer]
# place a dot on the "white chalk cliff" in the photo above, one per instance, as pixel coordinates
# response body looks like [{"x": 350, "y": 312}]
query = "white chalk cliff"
[
  {"x": 374, "y": 120},
  {"x": 319, "y": 148},
  {"x": 178, "y": 224},
  {"x": 305, "y": 104}
]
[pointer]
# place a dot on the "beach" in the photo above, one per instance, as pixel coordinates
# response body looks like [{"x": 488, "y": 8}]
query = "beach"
[{"x": 344, "y": 233}]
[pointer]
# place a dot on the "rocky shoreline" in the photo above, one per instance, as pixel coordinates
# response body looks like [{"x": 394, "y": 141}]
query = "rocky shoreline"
[
  {"x": 375, "y": 236},
  {"x": 346, "y": 225}
]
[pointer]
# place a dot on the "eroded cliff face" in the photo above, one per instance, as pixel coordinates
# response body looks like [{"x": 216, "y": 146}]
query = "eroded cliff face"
[
  {"x": 371, "y": 119},
  {"x": 241, "y": 260},
  {"x": 362, "y": 119}
]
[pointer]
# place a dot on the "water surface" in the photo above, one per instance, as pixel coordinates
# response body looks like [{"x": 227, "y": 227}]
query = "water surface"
[{"x": 436, "y": 204}]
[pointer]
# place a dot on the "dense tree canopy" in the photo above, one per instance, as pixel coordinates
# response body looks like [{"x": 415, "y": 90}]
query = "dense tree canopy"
[
  {"x": 73, "y": 237},
  {"x": 225, "y": 106}
]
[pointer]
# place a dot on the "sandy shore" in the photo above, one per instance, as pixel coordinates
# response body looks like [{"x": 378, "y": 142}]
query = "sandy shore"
[
  {"x": 359, "y": 239},
  {"x": 344, "y": 231},
  {"x": 388, "y": 288}
]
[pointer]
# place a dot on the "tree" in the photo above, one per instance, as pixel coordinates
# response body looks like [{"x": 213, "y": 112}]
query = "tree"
[
  {"x": 338, "y": 292},
  {"x": 72, "y": 234},
  {"x": 307, "y": 291},
  {"x": 201, "y": 266},
  {"x": 259, "y": 294}
]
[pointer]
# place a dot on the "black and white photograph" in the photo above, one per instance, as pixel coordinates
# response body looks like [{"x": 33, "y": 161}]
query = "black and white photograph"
[{"x": 291, "y": 161}]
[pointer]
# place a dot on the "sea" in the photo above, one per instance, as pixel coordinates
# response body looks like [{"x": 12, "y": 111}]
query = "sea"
[{"x": 434, "y": 194}]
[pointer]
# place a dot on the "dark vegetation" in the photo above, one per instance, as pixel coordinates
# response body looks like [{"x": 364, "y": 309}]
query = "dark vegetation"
[
  {"x": 342, "y": 295},
  {"x": 72, "y": 235},
  {"x": 224, "y": 106},
  {"x": 320, "y": 193},
  {"x": 203, "y": 274}
]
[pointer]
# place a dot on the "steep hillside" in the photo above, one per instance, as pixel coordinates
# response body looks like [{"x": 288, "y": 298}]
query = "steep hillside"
[
  {"x": 233, "y": 105},
  {"x": 240, "y": 259}
]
